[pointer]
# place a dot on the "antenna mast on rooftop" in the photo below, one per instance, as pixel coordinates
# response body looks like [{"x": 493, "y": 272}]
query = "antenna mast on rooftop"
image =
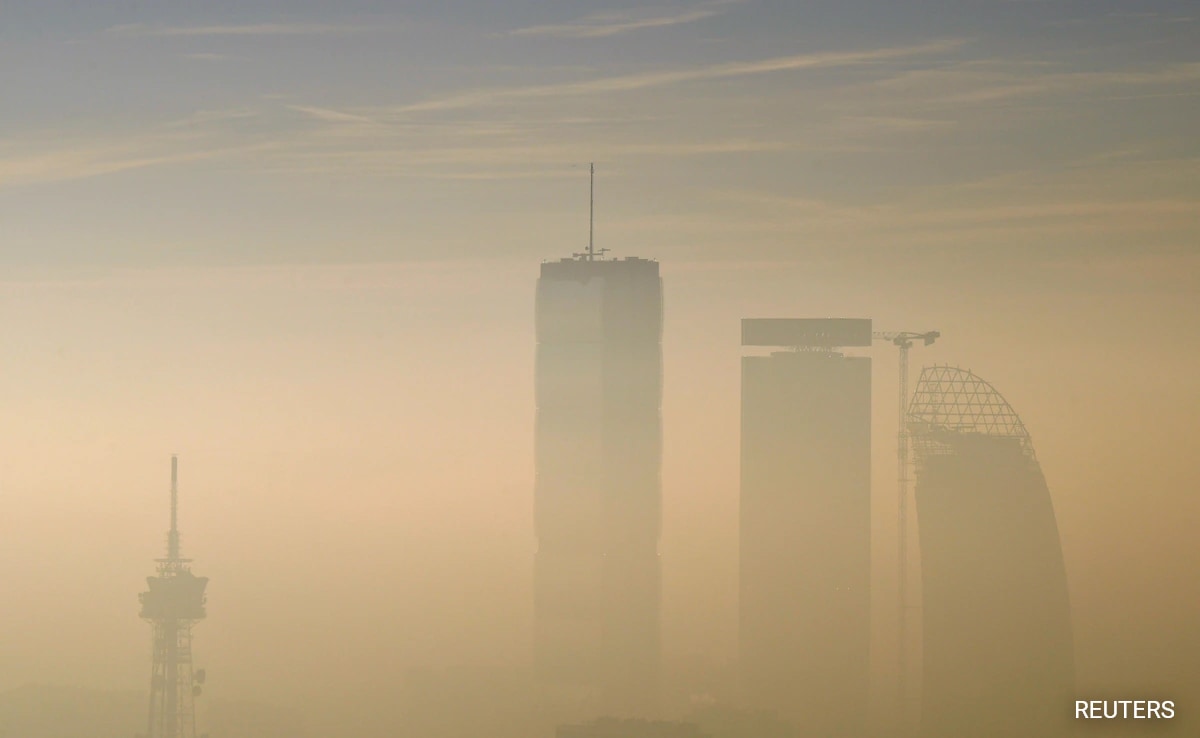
[
  {"x": 173, "y": 534},
  {"x": 591, "y": 211},
  {"x": 592, "y": 252}
]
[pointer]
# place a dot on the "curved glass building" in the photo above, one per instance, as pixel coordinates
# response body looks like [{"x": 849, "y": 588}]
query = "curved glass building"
[{"x": 998, "y": 652}]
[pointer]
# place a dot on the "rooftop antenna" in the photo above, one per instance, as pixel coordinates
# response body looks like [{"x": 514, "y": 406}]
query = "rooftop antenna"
[
  {"x": 173, "y": 535},
  {"x": 590, "y": 254},
  {"x": 591, "y": 210}
]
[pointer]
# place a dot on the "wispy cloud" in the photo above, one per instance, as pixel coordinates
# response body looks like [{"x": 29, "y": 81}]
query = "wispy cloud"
[
  {"x": 84, "y": 161},
  {"x": 997, "y": 81},
  {"x": 202, "y": 136},
  {"x": 207, "y": 57},
  {"x": 330, "y": 115},
  {"x": 830, "y": 226},
  {"x": 211, "y": 117},
  {"x": 1113, "y": 19},
  {"x": 1102, "y": 198},
  {"x": 649, "y": 80},
  {"x": 1044, "y": 84},
  {"x": 874, "y": 124},
  {"x": 252, "y": 29},
  {"x": 401, "y": 141},
  {"x": 611, "y": 24},
  {"x": 502, "y": 160}
]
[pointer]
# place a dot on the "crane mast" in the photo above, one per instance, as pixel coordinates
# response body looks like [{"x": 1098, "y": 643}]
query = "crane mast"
[{"x": 904, "y": 341}]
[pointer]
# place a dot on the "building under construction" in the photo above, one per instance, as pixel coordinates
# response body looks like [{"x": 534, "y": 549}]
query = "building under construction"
[
  {"x": 805, "y": 539},
  {"x": 173, "y": 603},
  {"x": 598, "y": 492},
  {"x": 998, "y": 653}
]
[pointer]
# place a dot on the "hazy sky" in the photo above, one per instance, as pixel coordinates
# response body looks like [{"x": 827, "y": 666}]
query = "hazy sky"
[
  {"x": 259, "y": 132},
  {"x": 297, "y": 245}
]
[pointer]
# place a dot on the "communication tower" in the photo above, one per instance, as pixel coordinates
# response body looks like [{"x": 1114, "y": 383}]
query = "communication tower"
[{"x": 173, "y": 603}]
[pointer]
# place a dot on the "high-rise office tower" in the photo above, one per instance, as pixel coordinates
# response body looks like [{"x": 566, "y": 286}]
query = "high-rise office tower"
[
  {"x": 806, "y": 523},
  {"x": 598, "y": 492},
  {"x": 998, "y": 650}
]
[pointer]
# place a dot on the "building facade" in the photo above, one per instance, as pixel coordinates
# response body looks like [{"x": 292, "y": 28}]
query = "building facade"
[
  {"x": 598, "y": 490},
  {"x": 805, "y": 523},
  {"x": 998, "y": 654}
]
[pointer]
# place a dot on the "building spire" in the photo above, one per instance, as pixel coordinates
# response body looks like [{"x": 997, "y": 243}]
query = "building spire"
[
  {"x": 592, "y": 252},
  {"x": 173, "y": 535},
  {"x": 591, "y": 211}
]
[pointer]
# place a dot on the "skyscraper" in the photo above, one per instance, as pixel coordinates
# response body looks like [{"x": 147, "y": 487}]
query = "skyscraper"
[
  {"x": 598, "y": 491},
  {"x": 806, "y": 523},
  {"x": 998, "y": 650}
]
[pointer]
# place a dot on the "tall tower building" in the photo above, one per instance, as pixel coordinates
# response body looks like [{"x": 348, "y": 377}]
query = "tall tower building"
[
  {"x": 806, "y": 523},
  {"x": 998, "y": 653},
  {"x": 173, "y": 603},
  {"x": 598, "y": 490}
]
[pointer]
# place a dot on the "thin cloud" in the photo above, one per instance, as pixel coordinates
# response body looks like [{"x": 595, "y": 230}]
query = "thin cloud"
[
  {"x": 649, "y": 80},
  {"x": 202, "y": 136},
  {"x": 983, "y": 82},
  {"x": 1068, "y": 82},
  {"x": 869, "y": 124},
  {"x": 1016, "y": 204},
  {"x": 1112, "y": 19},
  {"x": 836, "y": 225},
  {"x": 330, "y": 115},
  {"x": 612, "y": 24},
  {"x": 94, "y": 161},
  {"x": 1157, "y": 267},
  {"x": 207, "y": 57},
  {"x": 253, "y": 29},
  {"x": 210, "y": 117},
  {"x": 515, "y": 160}
]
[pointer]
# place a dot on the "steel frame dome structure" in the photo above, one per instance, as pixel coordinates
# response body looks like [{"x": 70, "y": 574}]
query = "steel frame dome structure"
[{"x": 949, "y": 400}]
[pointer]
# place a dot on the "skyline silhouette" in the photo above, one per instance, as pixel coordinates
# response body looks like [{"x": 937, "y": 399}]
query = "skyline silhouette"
[
  {"x": 300, "y": 244},
  {"x": 570, "y": 321}
]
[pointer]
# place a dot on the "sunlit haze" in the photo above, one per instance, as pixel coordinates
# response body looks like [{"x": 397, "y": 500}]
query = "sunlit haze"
[{"x": 298, "y": 244}]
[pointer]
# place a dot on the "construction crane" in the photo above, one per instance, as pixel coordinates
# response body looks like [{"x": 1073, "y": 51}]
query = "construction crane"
[{"x": 903, "y": 340}]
